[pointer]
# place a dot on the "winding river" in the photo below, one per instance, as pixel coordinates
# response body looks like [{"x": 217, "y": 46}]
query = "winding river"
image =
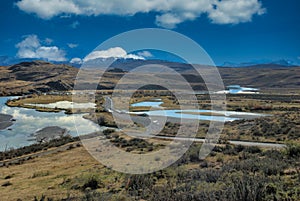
[
  {"x": 223, "y": 116},
  {"x": 28, "y": 121}
]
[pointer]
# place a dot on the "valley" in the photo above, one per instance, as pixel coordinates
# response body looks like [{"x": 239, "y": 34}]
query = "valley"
[{"x": 260, "y": 130}]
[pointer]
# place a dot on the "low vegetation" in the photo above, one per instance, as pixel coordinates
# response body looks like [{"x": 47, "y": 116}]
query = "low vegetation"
[
  {"x": 13, "y": 153},
  {"x": 129, "y": 144},
  {"x": 282, "y": 127},
  {"x": 230, "y": 173}
]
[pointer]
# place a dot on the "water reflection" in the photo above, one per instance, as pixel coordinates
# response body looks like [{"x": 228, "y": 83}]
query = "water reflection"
[
  {"x": 65, "y": 105},
  {"x": 28, "y": 121}
]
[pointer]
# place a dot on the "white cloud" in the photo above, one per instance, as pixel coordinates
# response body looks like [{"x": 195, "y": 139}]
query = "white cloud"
[
  {"x": 48, "y": 9},
  {"x": 235, "y": 11},
  {"x": 76, "y": 61},
  {"x": 115, "y": 52},
  {"x": 28, "y": 46},
  {"x": 169, "y": 13},
  {"x": 72, "y": 45},
  {"x": 145, "y": 54},
  {"x": 31, "y": 47},
  {"x": 30, "y": 41},
  {"x": 51, "y": 53},
  {"x": 168, "y": 20}
]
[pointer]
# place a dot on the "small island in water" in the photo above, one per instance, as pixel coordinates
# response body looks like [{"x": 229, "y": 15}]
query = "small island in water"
[{"x": 5, "y": 121}]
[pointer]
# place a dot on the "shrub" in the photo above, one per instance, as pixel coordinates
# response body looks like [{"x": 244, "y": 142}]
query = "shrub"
[
  {"x": 246, "y": 188},
  {"x": 293, "y": 150},
  {"x": 108, "y": 131},
  {"x": 253, "y": 149},
  {"x": 92, "y": 183}
]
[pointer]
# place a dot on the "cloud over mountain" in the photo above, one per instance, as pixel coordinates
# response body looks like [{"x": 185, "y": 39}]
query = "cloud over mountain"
[
  {"x": 110, "y": 54},
  {"x": 76, "y": 60},
  {"x": 168, "y": 13},
  {"x": 115, "y": 52}
]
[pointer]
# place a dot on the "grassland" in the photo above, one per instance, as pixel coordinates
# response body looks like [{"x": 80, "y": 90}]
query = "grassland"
[
  {"x": 228, "y": 173},
  {"x": 47, "y": 175}
]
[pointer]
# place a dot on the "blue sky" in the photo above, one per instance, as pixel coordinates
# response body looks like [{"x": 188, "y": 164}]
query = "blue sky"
[{"x": 229, "y": 30}]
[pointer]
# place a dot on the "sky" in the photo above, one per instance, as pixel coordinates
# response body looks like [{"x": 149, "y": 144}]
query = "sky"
[{"x": 229, "y": 30}]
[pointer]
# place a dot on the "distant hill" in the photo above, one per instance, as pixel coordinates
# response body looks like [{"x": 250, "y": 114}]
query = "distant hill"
[
  {"x": 9, "y": 61},
  {"x": 260, "y": 63},
  {"x": 41, "y": 76},
  {"x": 129, "y": 64},
  {"x": 272, "y": 75},
  {"x": 263, "y": 76},
  {"x": 36, "y": 76}
]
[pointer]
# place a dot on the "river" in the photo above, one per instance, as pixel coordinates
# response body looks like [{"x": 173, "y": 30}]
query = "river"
[{"x": 28, "y": 121}]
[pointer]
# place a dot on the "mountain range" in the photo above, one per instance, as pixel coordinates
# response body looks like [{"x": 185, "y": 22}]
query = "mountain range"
[
  {"x": 41, "y": 76},
  {"x": 8, "y": 61},
  {"x": 257, "y": 63}
]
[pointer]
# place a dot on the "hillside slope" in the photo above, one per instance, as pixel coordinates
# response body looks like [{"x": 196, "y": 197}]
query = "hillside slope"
[
  {"x": 263, "y": 77},
  {"x": 37, "y": 76}
]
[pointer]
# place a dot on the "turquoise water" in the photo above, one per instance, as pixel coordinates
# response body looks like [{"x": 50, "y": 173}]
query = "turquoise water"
[
  {"x": 147, "y": 104},
  {"x": 28, "y": 121},
  {"x": 179, "y": 114},
  {"x": 228, "y": 115}
]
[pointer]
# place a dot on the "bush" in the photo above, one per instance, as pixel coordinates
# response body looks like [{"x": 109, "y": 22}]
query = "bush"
[
  {"x": 96, "y": 196},
  {"x": 293, "y": 150},
  {"x": 253, "y": 150},
  {"x": 92, "y": 183},
  {"x": 246, "y": 188},
  {"x": 108, "y": 131}
]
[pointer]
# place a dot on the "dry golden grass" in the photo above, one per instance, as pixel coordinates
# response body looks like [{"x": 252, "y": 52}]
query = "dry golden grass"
[
  {"x": 45, "y": 175},
  {"x": 54, "y": 175}
]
